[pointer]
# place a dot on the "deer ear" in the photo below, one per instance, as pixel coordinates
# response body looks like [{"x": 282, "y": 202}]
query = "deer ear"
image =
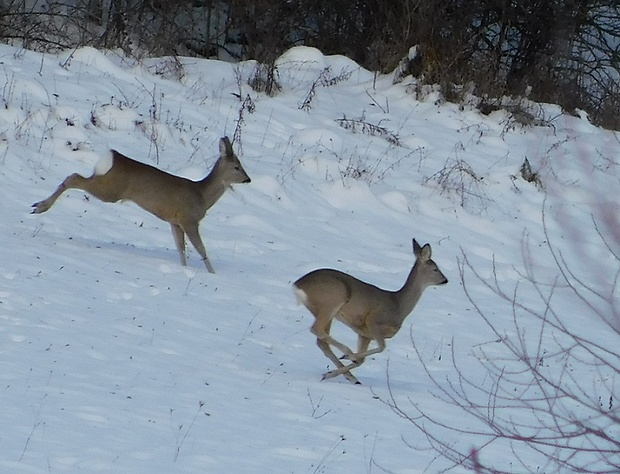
[
  {"x": 225, "y": 147},
  {"x": 425, "y": 253},
  {"x": 416, "y": 248},
  {"x": 422, "y": 252}
]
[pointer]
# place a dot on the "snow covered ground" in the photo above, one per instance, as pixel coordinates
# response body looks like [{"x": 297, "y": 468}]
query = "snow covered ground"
[{"x": 115, "y": 358}]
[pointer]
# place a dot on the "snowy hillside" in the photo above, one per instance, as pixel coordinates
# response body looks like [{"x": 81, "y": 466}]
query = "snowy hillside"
[{"x": 115, "y": 358}]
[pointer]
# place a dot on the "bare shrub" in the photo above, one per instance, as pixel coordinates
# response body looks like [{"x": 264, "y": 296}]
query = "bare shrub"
[
  {"x": 549, "y": 395},
  {"x": 248, "y": 106},
  {"x": 458, "y": 179},
  {"x": 265, "y": 78},
  {"x": 366, "y": 128},
  {"x": 325, "y": 79}
]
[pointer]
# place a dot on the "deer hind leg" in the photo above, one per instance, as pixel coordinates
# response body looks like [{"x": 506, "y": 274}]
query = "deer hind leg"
[
  {"x": 357, "y": 360},
  {"x": 320, "y": 329},
  {"x": 71, "y": 181},
  {"x": 97, "y": 185},
  {"x": 341, "y": 368},
  {"x": 179, "y": 240},
  {"x": 191, "y": 229},
  {"x": 322, "y": 326}
]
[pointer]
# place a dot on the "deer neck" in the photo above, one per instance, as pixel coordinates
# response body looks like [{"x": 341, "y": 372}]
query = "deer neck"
[
  {"x": 409, "y": 295},
  {"x": 213, "y": 186}
]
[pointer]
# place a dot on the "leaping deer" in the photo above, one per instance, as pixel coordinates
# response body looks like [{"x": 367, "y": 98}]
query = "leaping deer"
[
  {"x": 180, "y": 201},
  {"x": 373, "y": 313}
]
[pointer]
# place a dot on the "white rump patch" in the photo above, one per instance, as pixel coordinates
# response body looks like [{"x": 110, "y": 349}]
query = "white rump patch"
[
  {"x": 302, "y": 297},
  {"x": 104, "y": 164}
]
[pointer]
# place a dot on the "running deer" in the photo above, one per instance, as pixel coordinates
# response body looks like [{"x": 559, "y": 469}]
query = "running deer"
[
  {"x": 373, "y": 313},
  {"x": 181, "y": 202}
]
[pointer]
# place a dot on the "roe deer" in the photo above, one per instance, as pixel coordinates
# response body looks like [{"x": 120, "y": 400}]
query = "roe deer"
[
  {"x": 373, "y": 313},
  {"x": 181, "y": 202}
]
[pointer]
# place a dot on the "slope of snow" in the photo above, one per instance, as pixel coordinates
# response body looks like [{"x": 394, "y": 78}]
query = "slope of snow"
[{"x": 115, "y": 358}]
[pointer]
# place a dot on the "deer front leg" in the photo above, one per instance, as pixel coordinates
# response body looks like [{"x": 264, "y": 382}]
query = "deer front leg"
[
  {"x": 191, "y": 229},
  {"x": 363, "y": 351},
  {"x": 179, "y": 240}
]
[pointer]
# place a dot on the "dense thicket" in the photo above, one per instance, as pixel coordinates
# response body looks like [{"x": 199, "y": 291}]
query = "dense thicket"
[{"x": 561, "y": 51}]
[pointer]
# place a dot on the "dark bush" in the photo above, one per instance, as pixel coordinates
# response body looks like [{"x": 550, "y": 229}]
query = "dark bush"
[{"x": 560, "y": 51}]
